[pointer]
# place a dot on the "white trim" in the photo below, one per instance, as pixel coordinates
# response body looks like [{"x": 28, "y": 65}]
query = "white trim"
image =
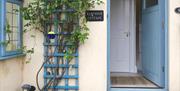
[{"x": 133, "y": 67}]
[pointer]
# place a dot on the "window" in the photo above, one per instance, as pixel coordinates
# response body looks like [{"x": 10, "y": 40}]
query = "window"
[
  {"x": 151, "y": 3},
  {"x": 10, "y": 28}
]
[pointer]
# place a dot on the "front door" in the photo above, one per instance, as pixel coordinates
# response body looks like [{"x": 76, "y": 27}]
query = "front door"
[
  {"x": 153, "y": 41},
  {"x": 120, "y": 39}
]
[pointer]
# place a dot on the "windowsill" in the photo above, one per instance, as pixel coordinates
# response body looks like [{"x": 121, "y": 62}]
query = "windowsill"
[{"x": 12, "y": 56}]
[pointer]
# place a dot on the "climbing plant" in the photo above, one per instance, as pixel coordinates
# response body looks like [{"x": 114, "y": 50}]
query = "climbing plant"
[
  {"x": 53, "y": 16},
  {"x": 39, "y": 12}
]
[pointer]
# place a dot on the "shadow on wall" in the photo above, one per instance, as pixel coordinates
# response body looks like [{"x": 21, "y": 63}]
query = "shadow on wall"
[{"x": 138, "y": 34}]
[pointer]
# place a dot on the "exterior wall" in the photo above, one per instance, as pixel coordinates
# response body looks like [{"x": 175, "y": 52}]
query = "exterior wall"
[
  {"x": 93, "y": 67},
  {"x": 92, "y": 59},
  {"x": 34, "y": 60},
  {"x": 174, "y": 46},
  {"x": 11, "y": 72}
]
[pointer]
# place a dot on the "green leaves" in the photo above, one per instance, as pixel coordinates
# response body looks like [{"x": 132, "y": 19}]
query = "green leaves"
[
  {"x": 31, "y": 51},
  {"x": 80, "y": 35},
  {"x": 8, "y": 30},
  {"x": 40, "y": 12},
  {"x": 69, "y": 54},
  {"x": 5, "y": 43}
]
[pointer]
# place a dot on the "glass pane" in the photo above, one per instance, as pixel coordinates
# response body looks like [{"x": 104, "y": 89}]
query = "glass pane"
[
  {"x": 15, "y": 7},
  {"x": 9, "y": 19},
  {"x": 8, "y": 7},
  {"x": 11, "y": 46},
  {"x": 12, "y": 20},
  {"x": 15, "y": 20},
  {"x": 9, "y": 36},
  {"x": 151, "y": 3},
  {"x": 15, "y": 36},
  {"x": 15, "y": 30},
  {"x": 8, "y": 47},
  {"x": 15, "y": 45}
]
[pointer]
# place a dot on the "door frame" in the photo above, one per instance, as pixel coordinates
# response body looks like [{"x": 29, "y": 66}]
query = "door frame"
[
  {"x": 166, "y": 54},
  {"x": 132, "y": 34},
  {"x": 132, "y": 38}
]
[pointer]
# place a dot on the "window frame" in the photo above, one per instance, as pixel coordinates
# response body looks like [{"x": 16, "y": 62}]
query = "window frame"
[
  {"x": 3, "y": 53},
  {"x": 145, "y": 4}
]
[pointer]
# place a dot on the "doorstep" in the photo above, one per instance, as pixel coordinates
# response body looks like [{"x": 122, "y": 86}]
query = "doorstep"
[{"x": 136, "y": 89}]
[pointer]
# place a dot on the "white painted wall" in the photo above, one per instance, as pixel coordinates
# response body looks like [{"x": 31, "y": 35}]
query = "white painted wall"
[
  {"x": 123, "y": 58},
  {"x": 35, "y": 60},
  {"x": 120, "y": 42},
  {"x": 11, "y": 74},
  {"x": 174, "y": 46},
  {"x": 93, "y": 57}
]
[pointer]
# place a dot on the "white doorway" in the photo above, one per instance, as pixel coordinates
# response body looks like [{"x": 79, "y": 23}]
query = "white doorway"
[
  {"x": 123, "y": 36},
  {"x": 137, "y": 56}
]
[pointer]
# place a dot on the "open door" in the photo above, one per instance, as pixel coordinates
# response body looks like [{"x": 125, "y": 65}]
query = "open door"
[{"x": 153, "y": 41}]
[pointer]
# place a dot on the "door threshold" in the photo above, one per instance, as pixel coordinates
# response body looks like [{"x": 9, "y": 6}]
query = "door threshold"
[
  {"x": 138, "y": 89},
  {"x": 131, "y": 81}
]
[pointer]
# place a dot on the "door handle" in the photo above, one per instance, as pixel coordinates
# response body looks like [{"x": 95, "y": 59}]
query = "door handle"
[{"x": 127, "y": 34}]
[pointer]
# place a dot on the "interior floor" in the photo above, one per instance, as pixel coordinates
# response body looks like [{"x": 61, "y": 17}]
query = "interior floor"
[{"x": 130, "y": 80}]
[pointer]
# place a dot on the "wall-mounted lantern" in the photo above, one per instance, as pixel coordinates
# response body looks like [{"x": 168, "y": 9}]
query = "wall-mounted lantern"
[
  {"x": 177, "y": 10},
  {"x": 27, "y": 87}
]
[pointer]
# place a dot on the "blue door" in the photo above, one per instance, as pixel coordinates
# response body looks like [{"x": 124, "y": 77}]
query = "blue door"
[{"x": 153, "y": 41}]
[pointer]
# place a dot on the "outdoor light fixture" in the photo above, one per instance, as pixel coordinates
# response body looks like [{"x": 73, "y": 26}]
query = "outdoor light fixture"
[
  {"x": 27, "y": 87},
  {"x": 51, "y": 35},
  {"x": 177, "y": 10}
]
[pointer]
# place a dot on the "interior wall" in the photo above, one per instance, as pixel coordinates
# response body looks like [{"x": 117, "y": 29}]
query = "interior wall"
[
  {"x": 119, "y": 42},
  {"x": 123, "y": 45}
]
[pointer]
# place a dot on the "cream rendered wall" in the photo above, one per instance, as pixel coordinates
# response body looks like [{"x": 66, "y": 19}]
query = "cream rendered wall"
[
  {"x": 34, "y": 60},
  {"x": 11, "y": 74},
  {"x": 92, "y": 61},
  {"x": 93, "y": 56},
  {"x": 174, "y": 46}
]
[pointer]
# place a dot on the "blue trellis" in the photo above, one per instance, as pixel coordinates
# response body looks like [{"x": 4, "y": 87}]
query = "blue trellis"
[{"x": 58, "y": 57}]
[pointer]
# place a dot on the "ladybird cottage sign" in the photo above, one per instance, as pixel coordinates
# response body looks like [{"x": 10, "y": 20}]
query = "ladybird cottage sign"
[{"x": 94, "y": 15}]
